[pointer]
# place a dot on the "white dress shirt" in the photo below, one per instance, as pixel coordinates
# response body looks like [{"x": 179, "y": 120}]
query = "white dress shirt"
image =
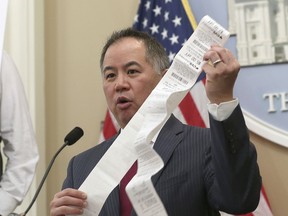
[
  {"x": 222, "y": 111},
  {"x": 18, "y": 137}
]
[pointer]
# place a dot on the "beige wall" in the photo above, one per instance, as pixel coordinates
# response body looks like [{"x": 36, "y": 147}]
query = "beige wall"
[{"x": 74, "y": 34}]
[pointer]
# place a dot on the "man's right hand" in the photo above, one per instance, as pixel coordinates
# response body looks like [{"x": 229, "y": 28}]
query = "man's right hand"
[{"x": 68, "y": 201}]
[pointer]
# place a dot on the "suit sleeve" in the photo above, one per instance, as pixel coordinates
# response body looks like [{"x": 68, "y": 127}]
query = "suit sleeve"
[
  {"x": 233, "y": 177},
  {"x": 68, "y": 182}
]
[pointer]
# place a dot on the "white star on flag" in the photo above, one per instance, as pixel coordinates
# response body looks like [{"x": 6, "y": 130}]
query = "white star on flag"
[
  {"x": 157, "y": 11},
  {"x": 166, "y": 16},
  {"x": 147, "y": 5},
  {"x": 177, "y": 21},
  {"x": 174, "y": 39},
  {"x": 154, "y": 28},
  {"x": 164, "y": 34}
]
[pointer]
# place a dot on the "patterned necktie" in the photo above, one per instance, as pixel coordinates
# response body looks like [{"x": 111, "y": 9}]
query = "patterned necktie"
[{"x": 125, "y": 204}]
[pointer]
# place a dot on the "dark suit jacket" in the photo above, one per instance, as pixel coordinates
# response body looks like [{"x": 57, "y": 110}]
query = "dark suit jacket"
[{"x": 206, "y": 170}]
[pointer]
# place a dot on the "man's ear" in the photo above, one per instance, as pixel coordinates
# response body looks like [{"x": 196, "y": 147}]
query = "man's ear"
[{"x": 164, "y": 72}]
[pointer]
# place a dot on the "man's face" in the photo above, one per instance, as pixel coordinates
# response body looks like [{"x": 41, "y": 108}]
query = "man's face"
[{"x": 128, "y": 78}]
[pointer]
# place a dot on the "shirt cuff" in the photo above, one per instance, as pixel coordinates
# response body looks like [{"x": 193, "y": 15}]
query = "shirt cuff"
[
  {"x": 222, "y": 111},
  {"x": 8, "y": 203}
]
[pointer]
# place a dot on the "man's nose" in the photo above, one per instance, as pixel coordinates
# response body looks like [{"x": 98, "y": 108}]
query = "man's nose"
[{"x": 121, "y": 83}]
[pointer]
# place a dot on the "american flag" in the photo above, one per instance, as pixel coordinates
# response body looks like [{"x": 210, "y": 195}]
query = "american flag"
[{"x": 171, "y": 22}]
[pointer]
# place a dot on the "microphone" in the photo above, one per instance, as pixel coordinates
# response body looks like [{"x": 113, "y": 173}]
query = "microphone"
[{"x": 72, "y": 137}]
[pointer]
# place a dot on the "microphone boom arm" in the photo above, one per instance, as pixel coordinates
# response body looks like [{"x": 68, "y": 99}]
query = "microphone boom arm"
[{"x": 44, "y": 178}]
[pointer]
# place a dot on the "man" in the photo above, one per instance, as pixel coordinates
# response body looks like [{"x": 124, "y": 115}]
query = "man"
[
  {"x": 18, "y": 137},
  {"x": 205, "y": 170}
]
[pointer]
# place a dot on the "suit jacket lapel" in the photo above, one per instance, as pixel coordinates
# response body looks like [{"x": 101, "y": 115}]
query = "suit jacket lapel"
[{"x": 169, "y": 137}]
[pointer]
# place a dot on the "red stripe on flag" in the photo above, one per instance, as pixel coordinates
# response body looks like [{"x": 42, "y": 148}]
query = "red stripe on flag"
[
  {"x": 190, "y": 112},
  {"x": 109, "y": 129},
  {"x": 265, "y": 196},
  {"x": 250, "y": 214}
]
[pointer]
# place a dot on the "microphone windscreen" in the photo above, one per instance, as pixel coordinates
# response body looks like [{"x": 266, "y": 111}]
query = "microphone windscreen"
[{"x": 73, "y": 136}]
